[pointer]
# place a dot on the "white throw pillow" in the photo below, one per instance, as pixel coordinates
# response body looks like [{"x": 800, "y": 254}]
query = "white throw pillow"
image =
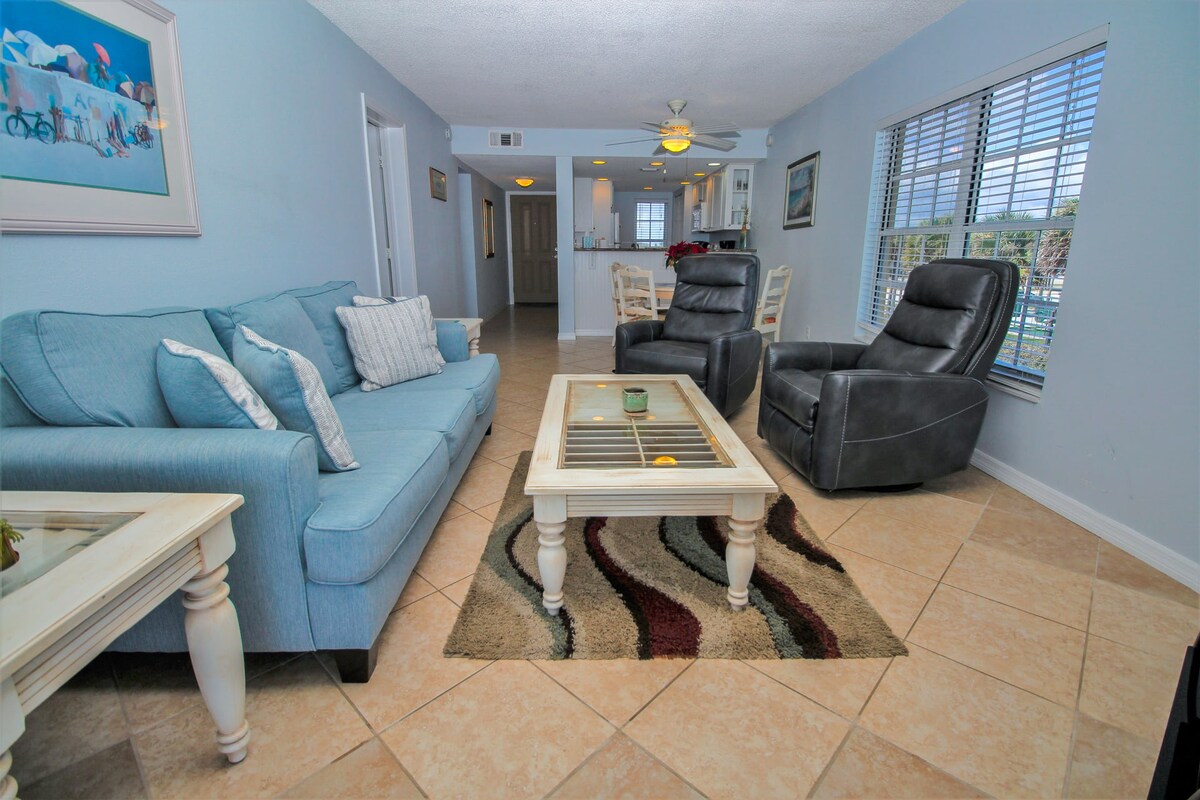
[
  {"x": 389, "y": 342},
  {"x": 423, "y": 301}
]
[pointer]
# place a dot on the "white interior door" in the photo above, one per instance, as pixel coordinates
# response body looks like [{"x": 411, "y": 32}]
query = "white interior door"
[{"x": 379, "y": 208}]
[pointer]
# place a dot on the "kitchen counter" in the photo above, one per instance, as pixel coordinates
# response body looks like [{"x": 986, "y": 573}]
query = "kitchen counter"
[{"x": 646, "y": 250}]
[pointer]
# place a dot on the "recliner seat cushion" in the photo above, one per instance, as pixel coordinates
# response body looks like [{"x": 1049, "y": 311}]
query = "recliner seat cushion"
[
  {"x": 450, "y": 413},
  {"x": 366, "y": 514},
  {"x": 796, "y": 393},
  {"x": 670, "y": 358},
  {"x": 72, "y": 368},
  {"x": 938, "y": 323}
]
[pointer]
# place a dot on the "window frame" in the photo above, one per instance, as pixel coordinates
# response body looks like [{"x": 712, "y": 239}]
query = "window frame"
[
  {"x": 650, "y": 241},
  {"x": 976, "y": 100}
]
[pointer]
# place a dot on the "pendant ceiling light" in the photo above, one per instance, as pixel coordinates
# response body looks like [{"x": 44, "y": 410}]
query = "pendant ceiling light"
[{"x": 524, "y": 182}]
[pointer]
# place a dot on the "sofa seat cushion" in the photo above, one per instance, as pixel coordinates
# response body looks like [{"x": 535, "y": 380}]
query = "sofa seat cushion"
[
  {"x": 450, "y": 413},
  {"x": 479, "y": 376},
  {"x": 796, "y": 393},
  {"x": 365, "y": 515},
  {"x": 74, "y": 368},
  {"x": 667, "y": 357}
]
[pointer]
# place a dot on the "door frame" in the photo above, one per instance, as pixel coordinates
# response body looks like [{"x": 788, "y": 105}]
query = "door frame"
[
  {"x": 397, "y": 195},
  {"x": 508, "y": 221}
]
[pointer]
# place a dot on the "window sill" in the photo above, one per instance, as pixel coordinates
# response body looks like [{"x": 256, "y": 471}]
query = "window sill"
[{"x": 1028, "y": 395}]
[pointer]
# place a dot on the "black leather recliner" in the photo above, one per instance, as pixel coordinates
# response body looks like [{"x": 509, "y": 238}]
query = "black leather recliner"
[
  {"x": 909, "y": 406},
  {"x": 708, "y": 332}
]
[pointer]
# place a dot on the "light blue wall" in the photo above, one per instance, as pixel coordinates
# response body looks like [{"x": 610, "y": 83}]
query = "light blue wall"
[
  {"x": 274, "y": 109},
  {"x": 625, "y": 204},
  {"x": 1117, "y": 426},
  {"x": 486, "y": 279}
]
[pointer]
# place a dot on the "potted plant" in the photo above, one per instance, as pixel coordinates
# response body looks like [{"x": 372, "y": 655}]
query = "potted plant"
[
  {"x": 8, "y": 536},
  {"x": 681, "y": 249}
]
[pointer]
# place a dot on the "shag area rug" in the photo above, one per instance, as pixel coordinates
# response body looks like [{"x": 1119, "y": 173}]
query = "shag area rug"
[{"x": 646, "y": 587}]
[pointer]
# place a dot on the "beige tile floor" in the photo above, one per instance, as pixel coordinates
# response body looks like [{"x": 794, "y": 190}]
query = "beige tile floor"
[{"x": 1042, "y": 663}]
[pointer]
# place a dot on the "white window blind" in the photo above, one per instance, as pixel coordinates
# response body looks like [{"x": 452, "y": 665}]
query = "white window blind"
[
  {"x": 651, "y": 224},
  {"x": 996, "y": 174}
]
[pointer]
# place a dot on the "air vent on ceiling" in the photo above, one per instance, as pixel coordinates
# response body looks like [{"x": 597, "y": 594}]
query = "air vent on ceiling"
[{"x": 506, "y": 138}]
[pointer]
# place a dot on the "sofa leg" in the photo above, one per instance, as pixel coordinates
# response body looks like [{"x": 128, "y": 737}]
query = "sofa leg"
[{"x": 356, "y": 666}]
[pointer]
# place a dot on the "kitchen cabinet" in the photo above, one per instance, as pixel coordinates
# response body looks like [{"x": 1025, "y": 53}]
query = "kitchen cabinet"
[
  {"x": 730, "y": 197},
  {"x": 593, "y": 208}
]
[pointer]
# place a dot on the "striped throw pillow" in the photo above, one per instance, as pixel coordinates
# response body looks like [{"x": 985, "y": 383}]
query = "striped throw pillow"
[
  {"x": 390, "y": 342},
  {"x": 426, "y": 312}
]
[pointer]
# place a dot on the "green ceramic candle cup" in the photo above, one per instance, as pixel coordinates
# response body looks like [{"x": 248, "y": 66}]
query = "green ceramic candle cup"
[{"x": 634, "y": 399}]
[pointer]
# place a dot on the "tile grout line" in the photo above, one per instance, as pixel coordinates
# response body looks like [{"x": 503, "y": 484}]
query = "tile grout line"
[
  {"x": 832, "y": 758},
  {"x": 1066, "y": 784},
  {"x": 137, "y": 758},
  {"x": 657, "y": 694}
]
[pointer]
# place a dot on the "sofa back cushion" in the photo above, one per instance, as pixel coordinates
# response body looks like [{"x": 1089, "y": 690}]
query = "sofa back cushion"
[
  {"x": 72, "y": 368},
  {"x": 282, "y": 320},
  {"x": 318, "y": 304}
]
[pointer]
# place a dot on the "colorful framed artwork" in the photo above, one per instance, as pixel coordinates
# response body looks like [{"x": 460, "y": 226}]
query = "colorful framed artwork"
[
  {"x": 489, "y": 229},
  {"x": 800, "y": 187},
  {"x": 95, "y": 134},
  {"x": 437, "y": 184}
]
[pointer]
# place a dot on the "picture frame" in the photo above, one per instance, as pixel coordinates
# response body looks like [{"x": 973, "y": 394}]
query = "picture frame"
[
  {"x": 489, "y": 229},
  {"x": 437, "y": 184},
  {"x": 110, "y": 153},
  {"x": 800, "y": 192}
]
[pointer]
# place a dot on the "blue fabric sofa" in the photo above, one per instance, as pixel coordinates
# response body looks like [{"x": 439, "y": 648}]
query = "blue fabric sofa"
[{"x": 321, "y": 556}]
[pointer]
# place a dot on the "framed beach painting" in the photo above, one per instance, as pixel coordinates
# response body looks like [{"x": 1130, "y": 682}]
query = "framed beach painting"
[
  {"x": 800, "y": 198},
  {"x": 95, "y": 136},
  {"x": 437, "y": 184}
]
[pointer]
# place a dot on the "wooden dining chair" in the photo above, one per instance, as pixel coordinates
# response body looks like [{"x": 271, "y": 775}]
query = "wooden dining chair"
[
  {"x": 772, "y": 302},
  {"x": 636, "y": 294},
  {"x": 614, "y": 289}
]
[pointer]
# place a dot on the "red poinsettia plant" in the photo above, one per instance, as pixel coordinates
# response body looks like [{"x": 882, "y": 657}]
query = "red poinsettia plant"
[{"x": 681, "y": 249}]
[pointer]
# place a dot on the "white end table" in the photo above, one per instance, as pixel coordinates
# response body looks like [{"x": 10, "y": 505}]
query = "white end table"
[
  {"x": 472, "y": 324},
  {"x": 91, "y": 566}
]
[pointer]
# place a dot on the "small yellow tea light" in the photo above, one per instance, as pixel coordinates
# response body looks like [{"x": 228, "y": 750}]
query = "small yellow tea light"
[
  {"x": 598, "y": 419},
  {"x": 664, "y": 461},
  {"x": 601, "y": 385}
]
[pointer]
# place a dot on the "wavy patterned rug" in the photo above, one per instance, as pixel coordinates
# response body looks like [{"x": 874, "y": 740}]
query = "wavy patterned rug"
[{"x": 644, "y": 587}]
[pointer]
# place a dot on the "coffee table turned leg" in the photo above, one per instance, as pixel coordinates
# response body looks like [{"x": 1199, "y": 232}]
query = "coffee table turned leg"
[
  {"x": 215, "y": 644},
  {"x": 739, "y": 550},
  {"x": 550, "y": 514}
]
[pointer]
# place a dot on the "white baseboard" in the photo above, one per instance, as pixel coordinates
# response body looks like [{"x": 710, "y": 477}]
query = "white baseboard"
[
  {"x": 566, "y": 337},
  {"x": 594, "y": 332},
  {"x": 1118, "y": 534}
]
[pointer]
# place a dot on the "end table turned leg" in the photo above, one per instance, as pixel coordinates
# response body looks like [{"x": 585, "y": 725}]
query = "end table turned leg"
[
  {"x": 8, "y": 784},
  {"x": 552, "y": 563},
  {"x": 215, "y": 642},
  {"x": 739, "y": 562}
]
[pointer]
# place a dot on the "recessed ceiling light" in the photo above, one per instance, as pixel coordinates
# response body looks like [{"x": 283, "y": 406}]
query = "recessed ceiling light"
[
  {"x": 714, "y": 163},
  {"x": 599, "y": 161},
  {"x": 647, "y": 189},
  {"x": 685, "y": 183},
  {"x": 656, "y": 163},
  {"x": 601, "y": 179},
  {"x": 698, "y": 174}
]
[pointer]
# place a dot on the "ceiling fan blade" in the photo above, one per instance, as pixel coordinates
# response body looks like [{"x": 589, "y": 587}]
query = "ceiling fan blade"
[
  {"x": 652, "y": 126},
  {"x": 727, "y": 127},
  {"x": 713, "y": 142},
  {"x": 634, "y": 141}
]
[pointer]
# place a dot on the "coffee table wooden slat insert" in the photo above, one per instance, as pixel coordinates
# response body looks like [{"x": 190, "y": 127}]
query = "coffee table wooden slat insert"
[{"x": 730, "y": 482}]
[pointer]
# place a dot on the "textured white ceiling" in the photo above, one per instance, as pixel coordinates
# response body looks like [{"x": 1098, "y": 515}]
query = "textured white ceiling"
[
  {"x": 625, "y": 173},
  {"x": 613, "y": 63}
]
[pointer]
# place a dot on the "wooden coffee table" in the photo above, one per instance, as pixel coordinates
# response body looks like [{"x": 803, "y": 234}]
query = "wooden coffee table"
[
  {"x": 94, "y": 564},
  {"x": 681, "y": 458}
]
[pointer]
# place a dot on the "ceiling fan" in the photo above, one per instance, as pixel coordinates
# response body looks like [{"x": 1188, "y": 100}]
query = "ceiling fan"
[{"x": 677, "y": 133}]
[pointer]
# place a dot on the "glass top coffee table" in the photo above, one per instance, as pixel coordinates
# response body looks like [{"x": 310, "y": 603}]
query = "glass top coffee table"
[{"x": 679, "y": 457}]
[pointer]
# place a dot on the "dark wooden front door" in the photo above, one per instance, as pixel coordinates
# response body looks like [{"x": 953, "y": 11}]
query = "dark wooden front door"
[{"x": 534, "y": 241}]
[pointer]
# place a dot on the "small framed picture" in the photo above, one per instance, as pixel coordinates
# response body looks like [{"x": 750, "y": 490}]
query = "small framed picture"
[
  {"x": 800, "y": 192},
  {"x": 437, "y": 184},
  {"x": 489, "y": 229}
]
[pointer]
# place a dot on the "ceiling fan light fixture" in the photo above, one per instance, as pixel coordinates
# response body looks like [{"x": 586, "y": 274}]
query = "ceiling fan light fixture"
[
  {"x": 676, "y": 144},
  {"x": 524, "y": 182}
]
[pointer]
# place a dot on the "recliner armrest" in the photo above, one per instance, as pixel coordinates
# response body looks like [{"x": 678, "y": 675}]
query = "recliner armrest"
[
  {"x": 631, "y": 333},
  {"x": 867, "y": 404},
  {"x": 732, "y": 368},
  {"x": 812, "y": 355}
]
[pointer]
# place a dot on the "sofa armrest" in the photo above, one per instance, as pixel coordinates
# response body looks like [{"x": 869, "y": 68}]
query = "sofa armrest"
[
  {"x": 894, "y": 427},
  {"x": 276, "y": 472},
  {"x": 812, "y": 355},
  {"x": 452, "y": 340}
]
